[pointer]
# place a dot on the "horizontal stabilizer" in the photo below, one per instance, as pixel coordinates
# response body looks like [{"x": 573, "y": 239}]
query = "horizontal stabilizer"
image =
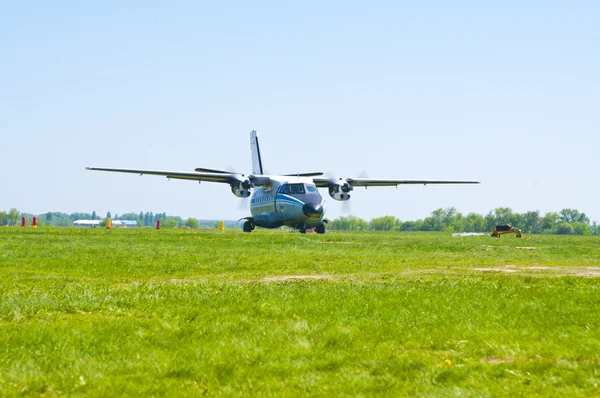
[{"x": 315, "y": 174}]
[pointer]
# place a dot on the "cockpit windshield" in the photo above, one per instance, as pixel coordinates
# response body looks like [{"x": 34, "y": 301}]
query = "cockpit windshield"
[
  {"x": 298, "y": 188},
  {"x": 311, "y": 189},
  {"x": 293, "y": 189}
]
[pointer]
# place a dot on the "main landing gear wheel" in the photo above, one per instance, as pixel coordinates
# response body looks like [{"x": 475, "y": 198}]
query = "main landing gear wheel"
[
  {"x": 248, "y": 226},
  {"x": 320, "y": 229}
]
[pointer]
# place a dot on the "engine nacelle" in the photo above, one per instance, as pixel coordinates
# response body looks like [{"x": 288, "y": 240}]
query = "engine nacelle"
[
  {"x": 340, "y": 191},
  {"x": 242, "y": 189}
]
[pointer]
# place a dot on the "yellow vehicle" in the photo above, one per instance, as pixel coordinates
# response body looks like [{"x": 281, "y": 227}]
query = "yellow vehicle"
[{"x": 506, "y": 229}]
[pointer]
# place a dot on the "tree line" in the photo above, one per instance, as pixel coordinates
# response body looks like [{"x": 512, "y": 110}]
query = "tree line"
[
  {"x": 59, "y": 219},
  {"x": 567, "y": 222},
  {"x": 143, "y": 219}
]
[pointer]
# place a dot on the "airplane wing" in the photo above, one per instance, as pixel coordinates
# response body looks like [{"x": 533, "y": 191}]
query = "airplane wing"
[
  {"x": 374, "y": 182},
  {"x": 216, "y": 176}
]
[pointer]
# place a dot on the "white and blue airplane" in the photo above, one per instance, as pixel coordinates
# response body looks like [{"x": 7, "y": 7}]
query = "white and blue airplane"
[{"x": 289, "y": 199}]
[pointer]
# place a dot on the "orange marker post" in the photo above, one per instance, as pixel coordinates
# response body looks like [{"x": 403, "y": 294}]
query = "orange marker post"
[{"x": 108, "y": 226}]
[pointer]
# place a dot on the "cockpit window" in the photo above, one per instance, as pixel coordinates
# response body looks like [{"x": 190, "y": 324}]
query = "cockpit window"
[
  {"x": 293, "y": 189},
  {"x": 311, "y": 188}
]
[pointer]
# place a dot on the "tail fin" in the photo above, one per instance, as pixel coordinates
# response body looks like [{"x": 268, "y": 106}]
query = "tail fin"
[{"x": 257, "y": 167}]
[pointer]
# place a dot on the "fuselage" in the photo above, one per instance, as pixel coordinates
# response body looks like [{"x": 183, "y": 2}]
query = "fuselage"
[{"x": 294, "y": 202}]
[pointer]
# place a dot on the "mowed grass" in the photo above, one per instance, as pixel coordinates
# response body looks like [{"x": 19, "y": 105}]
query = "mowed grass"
[{"x": 272, "y": 313}]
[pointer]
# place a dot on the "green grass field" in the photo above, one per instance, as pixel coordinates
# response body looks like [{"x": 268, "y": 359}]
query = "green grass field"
[{"x": 272, "y": 313}]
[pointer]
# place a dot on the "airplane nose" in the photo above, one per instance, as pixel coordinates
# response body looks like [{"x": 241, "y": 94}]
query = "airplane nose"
[{"x": 312, "y": 211}]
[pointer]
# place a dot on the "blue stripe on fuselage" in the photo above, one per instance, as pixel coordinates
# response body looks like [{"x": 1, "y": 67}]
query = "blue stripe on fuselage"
[{"x": 289, "y": 199}]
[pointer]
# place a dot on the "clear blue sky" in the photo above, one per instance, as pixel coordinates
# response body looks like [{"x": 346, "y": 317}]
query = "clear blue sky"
[{"x": 503, "y": 92}]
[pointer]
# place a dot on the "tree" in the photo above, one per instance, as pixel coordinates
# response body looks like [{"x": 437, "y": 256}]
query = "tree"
[
  {"x": 3, "y": 218},
  {"x": 169, "y": 223},
  {"x": 549, "y": 222},
  {"x": 572, "y": 215},
  {"x": 564, "y": 228},
  {"x": 473, "y": 222},
  {"x": 94, "y": 216},
  {"x": 128, "y": 216},
  {"x": 80, "y": 216},
  {"x": 350, "y": 223},
  {"x": 447, "y": 219},
  {"x": 13, "y": 216},
  {"x": 108, "y": 214},
  {"x": 504, "y": 215},
  {"x": 192, "y": 223},
  {"x": 531, "y": 222},
  {"x": 411, "y": 225},
  {"x": 581, "y": 228},
  {"x": 385, "y": 223},
  {"x": 490, "y": 221}
]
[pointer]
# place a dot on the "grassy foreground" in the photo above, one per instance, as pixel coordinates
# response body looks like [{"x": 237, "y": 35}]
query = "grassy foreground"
[{"x": 180, "y": 312}]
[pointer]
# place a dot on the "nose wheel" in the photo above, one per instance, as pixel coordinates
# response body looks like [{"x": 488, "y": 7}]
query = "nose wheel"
[
  {"x": 320, "y": 229},
  {"x": 248, "y": 226}
]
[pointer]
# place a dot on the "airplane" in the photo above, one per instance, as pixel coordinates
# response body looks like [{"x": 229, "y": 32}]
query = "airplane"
[{"x": 292, "y": 200}]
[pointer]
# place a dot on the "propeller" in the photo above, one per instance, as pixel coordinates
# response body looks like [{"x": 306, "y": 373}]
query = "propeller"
[
  {"x": 346, "y": 207},
  {"x": 244, "y": 204}
]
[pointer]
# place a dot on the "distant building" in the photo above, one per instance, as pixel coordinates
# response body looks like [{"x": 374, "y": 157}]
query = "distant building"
[
  {"x": 86, "y": 223},
  {"x": 113, "y": 223},
  {"x": 124, "y": 224}
]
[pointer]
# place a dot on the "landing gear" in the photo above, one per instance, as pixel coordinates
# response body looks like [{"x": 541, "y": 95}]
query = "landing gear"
[
  {"x": 248, "y": 226},
  {"x": 320, "y": 229}
]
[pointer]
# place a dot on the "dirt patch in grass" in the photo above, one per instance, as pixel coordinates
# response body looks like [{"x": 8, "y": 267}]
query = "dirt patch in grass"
[
  {"x": 293, "y": 277},
  {"x": 544, "y": 270},
  {"x": 496, "y": 269},
  {"x": 494, "y": 360},
  {"x": 590, "y": 273},
  {"x": 182, "y": 280},
  {"x": 341, "y": 243},
  {"x": 512, "y": 247}
]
